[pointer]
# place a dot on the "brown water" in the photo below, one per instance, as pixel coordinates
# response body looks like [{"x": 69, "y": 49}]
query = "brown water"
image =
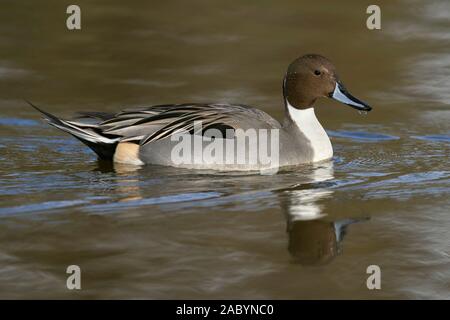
[{"x": 168, "y": 233}]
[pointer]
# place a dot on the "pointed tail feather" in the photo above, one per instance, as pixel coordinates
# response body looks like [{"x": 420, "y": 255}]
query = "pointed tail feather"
[{"x": 102, "y": 145}]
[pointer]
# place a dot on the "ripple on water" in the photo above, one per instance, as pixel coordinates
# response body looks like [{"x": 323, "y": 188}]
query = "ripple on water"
[
  {"x": 362, "y": 136},
  {"x": 416, "y": 177}
]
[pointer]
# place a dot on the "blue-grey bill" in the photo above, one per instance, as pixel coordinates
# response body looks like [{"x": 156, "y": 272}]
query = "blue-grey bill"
[{"x": 342, "y": 95}]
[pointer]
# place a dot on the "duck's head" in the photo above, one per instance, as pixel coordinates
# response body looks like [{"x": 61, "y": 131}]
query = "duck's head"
[{"x": 313, "y": 76}]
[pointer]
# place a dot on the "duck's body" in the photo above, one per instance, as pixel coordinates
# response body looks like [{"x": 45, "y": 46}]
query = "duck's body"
[
  {"x": 146, "y": 135},
  {"x": 299, "y": 141}
]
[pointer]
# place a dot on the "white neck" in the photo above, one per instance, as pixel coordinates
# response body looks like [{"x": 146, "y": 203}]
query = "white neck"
[{"x": 310, "y": 127}]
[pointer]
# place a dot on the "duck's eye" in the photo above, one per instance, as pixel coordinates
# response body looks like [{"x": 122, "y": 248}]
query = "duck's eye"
[{"x": 317, "y": 73}]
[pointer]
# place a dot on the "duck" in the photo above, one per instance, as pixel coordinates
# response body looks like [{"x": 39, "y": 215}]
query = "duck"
[{"x": 145, "y": 135}]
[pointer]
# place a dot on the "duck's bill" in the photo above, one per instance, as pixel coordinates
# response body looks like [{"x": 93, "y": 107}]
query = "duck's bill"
[{"x": 342, "y": 95}]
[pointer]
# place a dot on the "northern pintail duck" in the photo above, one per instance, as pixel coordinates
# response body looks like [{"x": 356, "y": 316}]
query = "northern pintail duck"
[{"x": 146, "y": 135}]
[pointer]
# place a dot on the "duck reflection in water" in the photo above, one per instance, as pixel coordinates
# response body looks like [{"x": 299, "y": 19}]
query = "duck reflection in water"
[
  {"x": 128, "y": 184},
  {"x": 314, "y": 238}
]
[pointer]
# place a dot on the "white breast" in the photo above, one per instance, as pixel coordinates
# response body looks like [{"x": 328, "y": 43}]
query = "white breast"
[{"x": 311, "y": 128}]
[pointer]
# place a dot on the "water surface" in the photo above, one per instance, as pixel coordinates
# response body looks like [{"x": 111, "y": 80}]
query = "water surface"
[{"x": 156, "y": 232}]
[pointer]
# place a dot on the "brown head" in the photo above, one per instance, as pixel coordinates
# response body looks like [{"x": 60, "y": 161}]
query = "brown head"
[{"x": 313, "y": 76}]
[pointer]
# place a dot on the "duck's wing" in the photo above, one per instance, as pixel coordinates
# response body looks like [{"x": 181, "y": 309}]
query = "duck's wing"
[
  {"x": 103, "y": 131},
  {"x": 145, "y": 125}
]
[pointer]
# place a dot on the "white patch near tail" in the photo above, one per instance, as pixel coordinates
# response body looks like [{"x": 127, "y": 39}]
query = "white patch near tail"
[{"x": 127, "y": 152}]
